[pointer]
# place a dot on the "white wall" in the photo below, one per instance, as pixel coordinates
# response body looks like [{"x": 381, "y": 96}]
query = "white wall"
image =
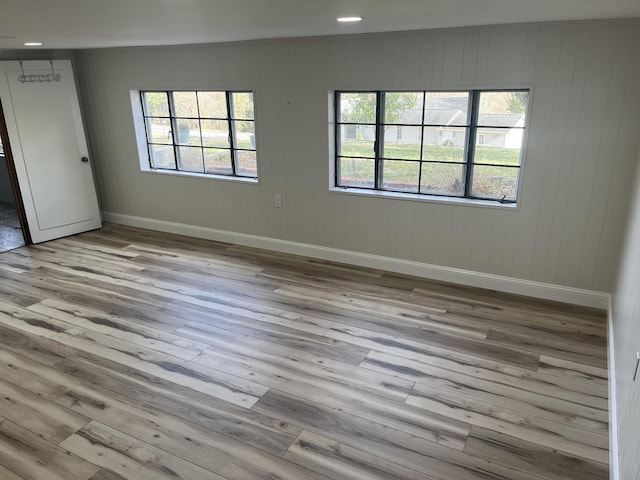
[
  {"x": 582, "y": 144},
  {"x": 626, "y": 326}
]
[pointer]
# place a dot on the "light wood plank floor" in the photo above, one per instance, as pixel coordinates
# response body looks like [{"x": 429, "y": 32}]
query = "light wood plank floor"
[{"x": 130, "y": 354}]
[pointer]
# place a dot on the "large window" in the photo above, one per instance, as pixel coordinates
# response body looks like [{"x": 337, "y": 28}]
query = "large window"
[
  {"x": 459, "y": 144},
  {"x": 207, "y": 132}
]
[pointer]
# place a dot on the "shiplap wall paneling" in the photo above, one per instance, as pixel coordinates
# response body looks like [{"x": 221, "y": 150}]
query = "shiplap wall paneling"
[{"x": 578, "y": 161}]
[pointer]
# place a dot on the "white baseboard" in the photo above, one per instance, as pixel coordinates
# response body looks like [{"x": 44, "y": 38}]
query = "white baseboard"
[
  {"x": 434, "y": 272},
  {"x": 614, "y": 465}
]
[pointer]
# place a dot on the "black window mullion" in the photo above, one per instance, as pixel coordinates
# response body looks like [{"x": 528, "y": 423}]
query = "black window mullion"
[
  {"x": 337, "y": 145},
  {"x": 231, "y": 133},
  {"x": 204, "y": 168},
  {"x": 471, "y": 142},
  {"x": 174, "y": 128},
  {"x": 146, "y": 129},
  {"x": 424, "y": 107},
  {"x": 378, "y": 147}
]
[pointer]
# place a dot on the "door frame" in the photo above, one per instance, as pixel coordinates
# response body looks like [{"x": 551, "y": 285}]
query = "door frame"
[{"x": 13, "y": 178}]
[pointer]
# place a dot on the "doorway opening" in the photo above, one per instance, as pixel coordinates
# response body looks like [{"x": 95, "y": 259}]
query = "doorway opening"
[{"x": 14, "y": 231}]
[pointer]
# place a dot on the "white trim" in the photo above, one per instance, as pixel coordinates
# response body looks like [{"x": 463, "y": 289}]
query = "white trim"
[
  {"x": 614, "y": 465},
  {"x": 417, "y": 197},
  {"x": 434, "y": 272}
]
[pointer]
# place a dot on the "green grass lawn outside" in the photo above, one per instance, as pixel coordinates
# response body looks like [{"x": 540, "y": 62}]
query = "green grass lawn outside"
[
  {"x": 492, "y": 155},
  {"x": 438, "y": 178}
]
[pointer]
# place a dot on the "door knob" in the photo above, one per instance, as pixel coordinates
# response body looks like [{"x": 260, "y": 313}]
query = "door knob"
[{"x": 84, "y": 159}]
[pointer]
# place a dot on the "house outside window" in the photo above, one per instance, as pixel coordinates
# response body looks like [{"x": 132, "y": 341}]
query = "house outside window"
[
  {"x": 465, "y": 144},
  {"x": 200, "y": 132}
]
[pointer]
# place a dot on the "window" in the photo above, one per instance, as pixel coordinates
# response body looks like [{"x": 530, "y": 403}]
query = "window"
[
  {"x": 457, "y": 144},
  {"x": 204, "y": 132}
]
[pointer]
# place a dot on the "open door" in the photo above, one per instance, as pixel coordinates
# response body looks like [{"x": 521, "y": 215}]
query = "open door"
[{"x": 49, "y": 148}]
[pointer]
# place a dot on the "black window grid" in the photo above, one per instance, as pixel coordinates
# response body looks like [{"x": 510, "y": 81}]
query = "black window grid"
[
  {"x": 468, "y": 162},
  {"x": 175, "y": 143}
]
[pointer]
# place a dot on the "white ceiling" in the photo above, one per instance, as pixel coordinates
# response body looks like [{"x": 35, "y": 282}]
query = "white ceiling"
[{"x": 118, "y": 23}]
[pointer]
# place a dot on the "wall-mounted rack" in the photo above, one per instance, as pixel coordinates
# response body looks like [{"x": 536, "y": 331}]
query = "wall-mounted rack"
[{"x": 39, "y": 77}]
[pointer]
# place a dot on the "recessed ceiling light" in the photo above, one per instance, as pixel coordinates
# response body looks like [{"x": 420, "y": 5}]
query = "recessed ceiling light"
[
  {"x": 33, "y": 44},
  {"x": 349, "y": 19}
]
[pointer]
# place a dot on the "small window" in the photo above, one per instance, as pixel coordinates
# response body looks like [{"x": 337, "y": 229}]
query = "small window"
[
  {"x": 458, "y": 144},
  {"x": 201, "y": 132}
]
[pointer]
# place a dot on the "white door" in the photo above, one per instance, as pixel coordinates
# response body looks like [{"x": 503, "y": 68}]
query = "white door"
[{"x": 49, "y": 148}]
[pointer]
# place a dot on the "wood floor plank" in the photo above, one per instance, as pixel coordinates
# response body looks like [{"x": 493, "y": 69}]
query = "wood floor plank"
[
  {"x": 13, "y": 288},
  {"x": 204, "y": 272},
  {"x": 107, "y": 475},
  {"x": 528, "y": 394},
  {"x": 38, "y": 415},
  {"x": 397, "y": 446},
  {"x": 7, "y": 474},
  {"x": 337, "y": 460},
  {"x": 508, "y": 303},
  {"x": 358, "y": 303},
  {"x": 212, "y": 382},
  {"x": 391, "y": 413},
  {"x": 311, "y": 277},
  {"x": 131, "y": 458},
  {"x": 536, "y": 430},
  {"x": 407, "y": 324},
  {"x": 224, "y": 386},
  {"x": 529, "y": 457},
  {"x": 491, "y": 307},
  {"x": 82, "y": 243},
  {"x": 39, "y": 349},
  {"x": 51, "y": 283},
  {"x": 551, "y": 328},
  {"x": 31, "y": 457},
  {"x": 244, "y": 336},
  {"x": 119, "y": 328},
  {"x": 30, "y": 322},
  {"x": 17, "y": 265},
  {"x": 75, "y": 257},
  {"x": 205, "y": 448},
  {"x": 580, "y": 392},
  {"x": 406, "y": 319},
  {"x": 235, "y": 308},
  {"x": 35, "y": 377},
  {"x": 263, "y": 327},
  {"x": 130, "y": 385},
  {"x": 320, "y": 266},
  {"x": 303, "y": 357},
  {"x": 487, "y": 355},
  {"x": 573, "y": 370},
  {"x": 179, "y": 261},
  {"x": 580, "y": 353}
]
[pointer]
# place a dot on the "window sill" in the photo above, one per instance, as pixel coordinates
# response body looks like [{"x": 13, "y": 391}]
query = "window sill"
[
  {"x": 467, "y": 202},
  {"x": 208, "y": 176}
]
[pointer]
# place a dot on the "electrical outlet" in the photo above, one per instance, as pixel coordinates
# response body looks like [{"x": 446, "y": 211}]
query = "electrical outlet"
[{"x": 277, "y": 200}]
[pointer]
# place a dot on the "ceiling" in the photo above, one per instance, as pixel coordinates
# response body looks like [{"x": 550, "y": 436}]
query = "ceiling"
[{"x": 80, "y": 24}]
